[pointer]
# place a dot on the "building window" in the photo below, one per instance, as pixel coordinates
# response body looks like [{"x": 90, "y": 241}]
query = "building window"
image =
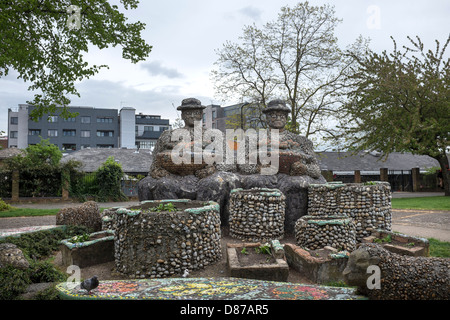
[
  {"x": 163, "y": 128},
  {"x": 69, "y": 146},
  {"x": 214, "y": 114},
  {"x": 105, "y": 120},
  {"x": 85, "y": 146},
  {"x": 104, "y": 133},
  {"x": 52, "y": 119},
  {"x": 148, "y": 128},
  {"x": 69, "y": 119},
  {"x": 52, "y": 132},
  {"x": 14, "y": 120},
  {"x": 34, "y": 132},
  {"x": 69, "y": 133},
  {"x": 105, "y": 146},
  {"x": 146, "y": 144},
  {"x": 85, "y": 119},
  {"x": 85, "y": 133},
  {"x": 13, "y": 134}
]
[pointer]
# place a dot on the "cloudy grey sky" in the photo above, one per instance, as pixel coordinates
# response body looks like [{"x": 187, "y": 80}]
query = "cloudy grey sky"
[{"x": 185, "y": 34}]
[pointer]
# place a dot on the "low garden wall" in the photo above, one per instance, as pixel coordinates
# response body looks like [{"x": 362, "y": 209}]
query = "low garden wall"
[
  {"x": 156, "y": 244},
  {"x": 257, "y": 214},
  {"x": 368, "y": 204}
]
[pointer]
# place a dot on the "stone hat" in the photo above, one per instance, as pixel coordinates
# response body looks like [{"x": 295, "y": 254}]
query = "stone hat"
[
  {"x": 190, "y": 103},
  {"x": 277, "y": 105}
]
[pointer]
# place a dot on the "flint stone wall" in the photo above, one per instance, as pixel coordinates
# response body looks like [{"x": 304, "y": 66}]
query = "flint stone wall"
[
  {"x": 369, "y": 205},
  {"x": 217, "y": 188},
  {"x": 315, "y": 232},
  {"x": 163, "y": 244},
  {"x": 257, "y": 214}
]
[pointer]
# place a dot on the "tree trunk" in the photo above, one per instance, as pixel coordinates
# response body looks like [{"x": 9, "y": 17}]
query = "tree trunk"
[{"x": 443, "y": 162}]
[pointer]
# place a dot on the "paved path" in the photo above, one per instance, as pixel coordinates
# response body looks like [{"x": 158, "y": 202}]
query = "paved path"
[{"x": 422, "y": 223}]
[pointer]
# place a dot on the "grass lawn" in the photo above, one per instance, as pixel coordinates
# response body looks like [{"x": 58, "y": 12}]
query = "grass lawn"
[
  {"x": 25, "y": 212},
  {"x": 426, "y": 203}
]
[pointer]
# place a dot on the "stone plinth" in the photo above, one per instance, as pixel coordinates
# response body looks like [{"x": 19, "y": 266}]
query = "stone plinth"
[
  {"x": 314, "y": 232},
  {"x": 257, "y": 214},
  {"x": 368, "y": 204},
  {"x": 156, "y": 244}
]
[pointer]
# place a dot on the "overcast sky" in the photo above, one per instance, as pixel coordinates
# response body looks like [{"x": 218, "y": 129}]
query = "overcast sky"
[{"x": 185, "y": 34}]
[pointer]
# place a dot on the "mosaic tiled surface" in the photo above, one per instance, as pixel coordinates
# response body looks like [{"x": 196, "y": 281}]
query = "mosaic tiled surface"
[
  {"x": 205, "y": 289},
  {"x": 18, "y": 231}
]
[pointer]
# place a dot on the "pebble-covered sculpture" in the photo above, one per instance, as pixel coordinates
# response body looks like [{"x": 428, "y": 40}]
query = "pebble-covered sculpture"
[{"x": 401, "y": 277}]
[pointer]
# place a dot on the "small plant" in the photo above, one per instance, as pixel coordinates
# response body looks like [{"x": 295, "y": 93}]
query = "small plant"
[
  {"x": 244, "y": 250},
  {"x": 411, "y": 244},
  {"x": 4, "y": 206},
  {"x": 370, "y": 183},
  {"x": 164, "y": 207},
  {"x": 80, "y": 238},
  {"x": 386, "y": 239},
  {"x": 263, "y": 249}
]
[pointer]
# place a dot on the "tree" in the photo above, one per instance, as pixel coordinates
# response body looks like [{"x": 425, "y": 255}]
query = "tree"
[
  {"x": 295, "y": 58},
  {"x": 44, "y": 42},
  {"x": 401, "y": 103}
]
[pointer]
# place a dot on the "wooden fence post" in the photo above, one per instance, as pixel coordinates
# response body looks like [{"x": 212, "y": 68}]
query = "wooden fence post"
[
  {"x": 357, "y": 176},
  {"x": 384, "y": 174},
  {"x": 415, "y": 172},
  {"x": 15, "y": 186}
]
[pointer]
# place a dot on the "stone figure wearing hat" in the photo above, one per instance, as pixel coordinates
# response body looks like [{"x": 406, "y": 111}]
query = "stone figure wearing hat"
[
  {"x": 191, "y": 112},
  {"x": 296, "y": 152}
]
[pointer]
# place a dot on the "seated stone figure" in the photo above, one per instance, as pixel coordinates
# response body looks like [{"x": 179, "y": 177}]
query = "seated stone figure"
[
  {"x": 296, "y": 154},
  {"x": 162, "y": 164}
]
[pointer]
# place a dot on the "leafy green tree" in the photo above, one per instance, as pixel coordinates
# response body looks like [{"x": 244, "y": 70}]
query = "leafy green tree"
[
  {"x": 401, "y": 103},
  {"x": 43, "y": 153},
  {"x": 44, "y": 41}
]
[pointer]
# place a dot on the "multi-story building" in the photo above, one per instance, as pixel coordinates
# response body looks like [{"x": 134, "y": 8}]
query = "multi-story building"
[
  {"x": 92, "y": 128},
  {"x": 148, "y": 129},
  {"x": 239, "y": 115}
]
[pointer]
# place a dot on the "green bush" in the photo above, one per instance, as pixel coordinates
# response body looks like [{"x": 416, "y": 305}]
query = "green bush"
[
  {"x": 108, "y": 178},
  {"x": 35, "y": 246},
  {"x": 4, "y": 206}
]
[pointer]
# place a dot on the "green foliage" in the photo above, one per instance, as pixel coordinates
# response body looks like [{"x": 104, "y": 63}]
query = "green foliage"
[
  {"x": 13, "y": 282},
  {"x": 80, "y": 238},
  {"x": 53, "y": 60},
  {"x": 164, "y": 207},
  {"x": 108, "y": 178},
  {"x": 35, "y": 246},
  {"x": 400, "y": 103},
  {"x": 263, "y": 249},
  {"x": 4, "y": 206},
  {"x": 387, "y": 239}
]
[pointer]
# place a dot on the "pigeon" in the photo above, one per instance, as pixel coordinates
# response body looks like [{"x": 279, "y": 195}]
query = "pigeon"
[
  {"x": 186, "y": 273},
  {"x": 90, "y": 284}
]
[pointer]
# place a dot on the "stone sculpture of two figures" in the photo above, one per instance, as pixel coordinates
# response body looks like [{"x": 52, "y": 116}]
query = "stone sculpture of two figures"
[{"x": 205, "y": 164}]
